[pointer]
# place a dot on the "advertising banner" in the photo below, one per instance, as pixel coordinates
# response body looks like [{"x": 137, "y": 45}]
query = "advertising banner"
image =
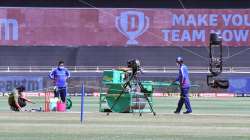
[
  {"x": 32, "y": 83},
  {"x": 122, "y": 27},
  {"x": 239, "y": 85}
]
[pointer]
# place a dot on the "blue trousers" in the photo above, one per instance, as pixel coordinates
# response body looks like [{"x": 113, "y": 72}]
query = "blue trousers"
[
  {"x": 184, "y": 99},
  {"x": 61, "y": 91}
]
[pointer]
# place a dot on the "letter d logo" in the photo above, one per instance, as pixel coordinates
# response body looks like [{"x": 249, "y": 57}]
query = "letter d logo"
[{"x": 132, "y": 24}]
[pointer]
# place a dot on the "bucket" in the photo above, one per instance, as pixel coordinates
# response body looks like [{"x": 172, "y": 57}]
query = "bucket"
[{"x": 61, "y": 107}]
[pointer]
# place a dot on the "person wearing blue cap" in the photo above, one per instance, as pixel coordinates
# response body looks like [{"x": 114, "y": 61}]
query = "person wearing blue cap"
[
  {"x": 183, "y": 79},
  {"x": 60, "y": 76}
]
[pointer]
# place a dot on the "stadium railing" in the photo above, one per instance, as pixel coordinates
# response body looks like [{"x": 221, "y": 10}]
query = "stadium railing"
[{"x": 161, "y": 69}]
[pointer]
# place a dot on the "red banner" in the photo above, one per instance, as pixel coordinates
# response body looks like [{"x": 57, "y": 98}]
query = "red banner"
[{"x": 122, "y": 27}]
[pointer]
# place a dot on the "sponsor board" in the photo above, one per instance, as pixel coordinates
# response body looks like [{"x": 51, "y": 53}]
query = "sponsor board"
[
  {"x": 31, "y": 83},
  {"x": 97, "y": 94},
  {"x": 122, "y": 27}
]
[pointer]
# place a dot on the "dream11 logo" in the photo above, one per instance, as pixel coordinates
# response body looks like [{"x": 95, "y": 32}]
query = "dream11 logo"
[{"x": 132, "y": 24}]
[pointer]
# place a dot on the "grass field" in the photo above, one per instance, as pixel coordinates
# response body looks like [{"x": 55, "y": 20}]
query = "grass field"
[{"x": 213, "y": 119}]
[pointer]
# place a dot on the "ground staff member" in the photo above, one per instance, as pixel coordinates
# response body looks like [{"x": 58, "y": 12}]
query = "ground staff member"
[
  {"x": 17, "y": 100},
  {"x": 183, "y": 79},
  {"x": 60, "y": 76}
]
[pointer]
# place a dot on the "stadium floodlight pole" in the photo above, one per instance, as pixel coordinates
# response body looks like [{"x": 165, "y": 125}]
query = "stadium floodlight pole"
[{"x": 82, "y": 103}]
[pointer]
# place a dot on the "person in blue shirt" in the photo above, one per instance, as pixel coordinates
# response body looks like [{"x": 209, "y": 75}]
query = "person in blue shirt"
[
  {"x": 183, "y": 79},
  {"x": 60, "y": 76}
]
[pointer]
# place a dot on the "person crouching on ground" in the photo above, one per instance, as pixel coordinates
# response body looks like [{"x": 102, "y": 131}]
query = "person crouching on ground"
[{"x": 17, "y": 100}]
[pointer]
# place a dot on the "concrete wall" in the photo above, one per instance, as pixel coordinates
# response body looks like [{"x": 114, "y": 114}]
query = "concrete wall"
[{"x": 116, "y": 56}]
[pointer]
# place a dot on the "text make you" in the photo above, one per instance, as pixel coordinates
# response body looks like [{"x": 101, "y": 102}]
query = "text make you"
[{"x": 190, "y": 27}]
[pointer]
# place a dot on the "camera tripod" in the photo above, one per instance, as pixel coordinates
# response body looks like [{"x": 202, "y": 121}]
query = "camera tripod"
[{"x": 136, "y": 81}]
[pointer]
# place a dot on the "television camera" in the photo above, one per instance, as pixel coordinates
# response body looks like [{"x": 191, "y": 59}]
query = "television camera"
[{"x": 216, "y": 63}]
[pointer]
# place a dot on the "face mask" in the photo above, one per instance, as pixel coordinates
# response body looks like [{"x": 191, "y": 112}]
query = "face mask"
[
  {"x": 61, "y": 67},
  {"x": 178, "y": 65}
]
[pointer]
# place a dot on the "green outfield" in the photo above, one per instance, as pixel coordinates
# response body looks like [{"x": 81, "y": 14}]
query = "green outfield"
[{"x": 213, "y": 119}]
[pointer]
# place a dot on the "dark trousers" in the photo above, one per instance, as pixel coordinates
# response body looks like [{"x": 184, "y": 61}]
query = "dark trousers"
[
  {"x": 184, "y": 99},
  {"x": 22, "y": 103},
  {"x": 61, "y": 91}
]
